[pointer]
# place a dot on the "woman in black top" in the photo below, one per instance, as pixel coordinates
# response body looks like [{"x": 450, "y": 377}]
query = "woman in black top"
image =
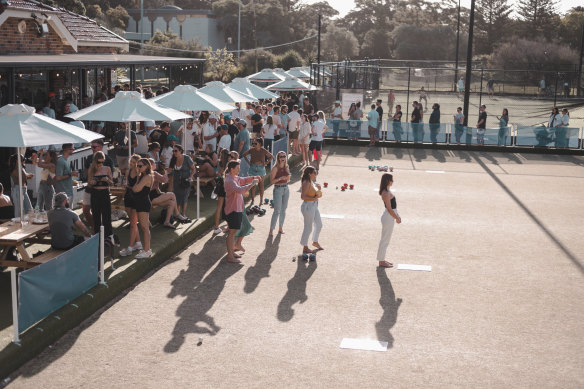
[
  {"x": 396, "y": 124},
  {"x": 131, "y": 179},
  {"x": 388, "y": 219},
  {"x": 434, "y": 123},
  {"x": 99, "y": 180},
  {"x": 141, "y": 191}
]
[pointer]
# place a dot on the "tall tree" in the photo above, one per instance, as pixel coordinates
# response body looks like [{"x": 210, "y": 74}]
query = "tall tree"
[
  {"x": 339, "y": 43},
  {"x": 537, "y": 15},
  {"x": 493, "y": 16}
]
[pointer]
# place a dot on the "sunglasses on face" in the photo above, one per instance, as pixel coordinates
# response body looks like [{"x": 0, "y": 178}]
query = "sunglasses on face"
[
  {"x": 99, "y": 162},
  {"x": 282, "y": 157},
  {"x": 94, "y": 146},
  {"x": 175, "y": 151},
  {"x": 140, "y": 166}
]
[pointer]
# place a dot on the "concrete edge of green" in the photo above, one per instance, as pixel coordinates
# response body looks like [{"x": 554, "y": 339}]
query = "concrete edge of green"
[{"x": 53, "y": 327}]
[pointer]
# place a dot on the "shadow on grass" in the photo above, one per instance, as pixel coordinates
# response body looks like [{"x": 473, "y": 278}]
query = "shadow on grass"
[{"x": 296, "y": 292}]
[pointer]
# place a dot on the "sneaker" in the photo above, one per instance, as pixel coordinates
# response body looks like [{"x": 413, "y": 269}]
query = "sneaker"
[
  {"x": 144, "y": 254},
  {"x": 125, "y": 252},
  {"x": 137, "y": 246},
  {"x": 217, "y": 231}
]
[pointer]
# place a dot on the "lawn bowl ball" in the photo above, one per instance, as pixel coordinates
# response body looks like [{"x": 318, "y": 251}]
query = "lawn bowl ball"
[
  {"x": 326, "y": 184},
  {"x": 266, "y": 201},
  {"x": 312, "y": 257},
  {"x": 342, "y": 189},
  {"x": 305, "y": 256},
  {"x": 351, "y": 186}
]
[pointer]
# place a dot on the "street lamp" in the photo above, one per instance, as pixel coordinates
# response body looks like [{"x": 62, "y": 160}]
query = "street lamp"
[
  {"x": 457, "y": 40},
  {"x": 238, "y": 28}
]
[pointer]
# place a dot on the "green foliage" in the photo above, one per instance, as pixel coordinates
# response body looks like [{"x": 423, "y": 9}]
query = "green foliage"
[
  {"x": 338, "y": 43},
  {"x": 117, "y": 17},
  {"x": 289, "y": 59},
  {"x": 520, "y": 53},
  {"x": 171, "y": 40},
  {"x": 570, "y": 30},
  {"x": 425, "y": 43},
  {"x": 247, "y": 62},
  {"x": 492, "y": 24},
  {"x": 94, "y": 12},
  {"x": 220, "y": 65},
  {"x": 75, "y": 6},
  {"x": 376, "y": 44}
]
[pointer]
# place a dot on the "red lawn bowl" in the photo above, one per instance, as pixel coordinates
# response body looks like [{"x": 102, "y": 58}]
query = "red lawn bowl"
[
  {"x": 326, "y": 184},
  {"x": 351, "y": 186}
]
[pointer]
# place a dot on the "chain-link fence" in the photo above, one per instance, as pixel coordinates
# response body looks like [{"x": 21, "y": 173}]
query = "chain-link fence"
[{"x": 528, "y": 95}]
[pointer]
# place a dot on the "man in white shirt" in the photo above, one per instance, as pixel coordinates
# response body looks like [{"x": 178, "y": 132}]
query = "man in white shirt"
[
  {"x": 293, "y": 125},
  {"x": 237, "y": 113},
  {"x": 224, "y": 139},
  {"x": 247, "y": 114},
  {"x": 337, "y": 116},
  {"x": 210, "y": 133}
]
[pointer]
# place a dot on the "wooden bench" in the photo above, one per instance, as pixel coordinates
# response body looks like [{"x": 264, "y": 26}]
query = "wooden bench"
[{"x": 35, "y": 261}]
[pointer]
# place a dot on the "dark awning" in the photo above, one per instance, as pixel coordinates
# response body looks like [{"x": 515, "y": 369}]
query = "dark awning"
[{"x": 91, "y": 60}]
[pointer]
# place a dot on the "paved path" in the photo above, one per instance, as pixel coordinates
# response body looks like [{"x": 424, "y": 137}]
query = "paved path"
[{"x": 502, "y": 306}]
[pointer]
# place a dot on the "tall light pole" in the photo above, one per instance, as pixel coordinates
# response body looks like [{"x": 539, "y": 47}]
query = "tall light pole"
[
  {"x": 142, "y": 36},
  {"x": 468, "y": 63},
  {"x": 457, "y": 40},
  {"x": 238, "y": 28}
]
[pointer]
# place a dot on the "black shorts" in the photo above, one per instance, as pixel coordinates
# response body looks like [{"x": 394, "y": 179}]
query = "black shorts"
[
  {"x": 154, "y": 194},
  {"x": 234, "y": 220},
  {"x": 315, "y": 145}
]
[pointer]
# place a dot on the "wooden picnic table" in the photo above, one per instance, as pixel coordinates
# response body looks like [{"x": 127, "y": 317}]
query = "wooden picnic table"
[
  {"x": 16, "y": 236},
  {"x": 118, "y": 192}
]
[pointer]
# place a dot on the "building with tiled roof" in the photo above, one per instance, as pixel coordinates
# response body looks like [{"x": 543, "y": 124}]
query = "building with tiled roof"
[{"x": 30, "y": 27}]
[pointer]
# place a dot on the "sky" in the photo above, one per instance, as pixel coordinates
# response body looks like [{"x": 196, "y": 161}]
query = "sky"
[{"x": 344, "y": 6}]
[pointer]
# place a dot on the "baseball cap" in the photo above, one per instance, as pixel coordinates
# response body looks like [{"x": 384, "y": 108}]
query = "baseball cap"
[
  {"x": 227, "y": 117},
  {"x": 213, "y": 116},
  {"x": 242, "y": 122},
  {"x": 172, "y": 137}
]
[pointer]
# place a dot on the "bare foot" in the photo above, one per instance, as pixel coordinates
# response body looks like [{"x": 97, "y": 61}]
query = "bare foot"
[
  {"x": 271, "y": 233},
  {"x": 306, "y": 250},
  {"x": 233, "y": 260},
  {"x": 318, "y": 246},
  {"x": 385, "y": 264},
  {"x": 280, "y": 231},
  {"x": 239, "y": 248},
  {"x": 236, "y": 255}
]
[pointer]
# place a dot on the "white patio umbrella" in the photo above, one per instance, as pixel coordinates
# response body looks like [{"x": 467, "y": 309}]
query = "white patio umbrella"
[
  {"x": 189, "y": 98},
  {"x": 267, "y": 75},
  {"x": 299, "y": 73},
  {"x": 127, "y": 107},
  {"x": 291, "y": 84},
  {"x": 244, "y": 86},
  {"x": 226, "y": 94},
  {"x": 20, "y": 127}
]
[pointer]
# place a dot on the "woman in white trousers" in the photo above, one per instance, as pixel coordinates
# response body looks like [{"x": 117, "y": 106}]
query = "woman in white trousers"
[{"x": 388, "y": 219}]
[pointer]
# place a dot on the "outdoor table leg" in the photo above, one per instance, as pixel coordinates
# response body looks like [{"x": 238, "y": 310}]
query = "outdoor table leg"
[{"x": 23, "y": 253}]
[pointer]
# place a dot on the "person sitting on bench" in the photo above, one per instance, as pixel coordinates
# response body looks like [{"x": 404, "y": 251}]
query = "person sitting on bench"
[
  {"x": 61, "y": 221},
  {"x": 6, "y": 206}
]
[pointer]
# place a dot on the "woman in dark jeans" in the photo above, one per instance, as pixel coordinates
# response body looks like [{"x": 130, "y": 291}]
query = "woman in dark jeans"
[
  {"x": 182, "y": 168},
  {"x": 99, "y": 180}
]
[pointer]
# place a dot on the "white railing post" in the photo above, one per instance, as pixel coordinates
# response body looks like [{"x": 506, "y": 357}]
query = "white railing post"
[
  {"x": 16, "y": 338},
  {"x": 101, "y": 256},
  {"x": 198, "y": 196}
]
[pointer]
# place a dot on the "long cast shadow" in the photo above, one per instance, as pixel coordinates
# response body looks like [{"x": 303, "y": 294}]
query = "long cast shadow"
[
  {"x": 261, "y": 269},
  {"x": 575, "y": 260},
  {"x": 296, "y": 292},
  {"x": 390, "y": 307},
  {"x": 201, "y": 294}
]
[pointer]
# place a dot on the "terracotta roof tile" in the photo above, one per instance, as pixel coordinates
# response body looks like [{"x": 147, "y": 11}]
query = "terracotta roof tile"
[{"x": 80, "y": 27}]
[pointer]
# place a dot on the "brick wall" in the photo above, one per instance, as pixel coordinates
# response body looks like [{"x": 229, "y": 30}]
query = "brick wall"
[{"x": 13, "y": 42}]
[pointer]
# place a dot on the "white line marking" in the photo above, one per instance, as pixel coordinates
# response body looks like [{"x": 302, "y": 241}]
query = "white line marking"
[
  {"x": 405, "y": 266},
  {"x": 435, "y": 171},
  {"x": 364, "y": 344},
  {"x": 326, "y": 216}
]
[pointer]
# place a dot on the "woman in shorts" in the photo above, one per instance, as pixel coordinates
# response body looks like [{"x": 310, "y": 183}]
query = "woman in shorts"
[
  {"x": 235, "y": 187},
  {"x": 258, "y": 160},
  {"x": 304, "y": 139},
  {"x": 318, "y": 129}
]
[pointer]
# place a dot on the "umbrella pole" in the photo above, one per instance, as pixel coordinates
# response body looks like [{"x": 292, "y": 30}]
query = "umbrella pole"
[
  {"x": 184, "y": 135},
  {"x": 21, "y": 200},
  {"x": 129, "y": 142}
]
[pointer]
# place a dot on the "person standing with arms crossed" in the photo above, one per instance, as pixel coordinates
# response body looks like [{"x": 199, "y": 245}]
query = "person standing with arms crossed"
[{"x": 388, "y": 219}]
